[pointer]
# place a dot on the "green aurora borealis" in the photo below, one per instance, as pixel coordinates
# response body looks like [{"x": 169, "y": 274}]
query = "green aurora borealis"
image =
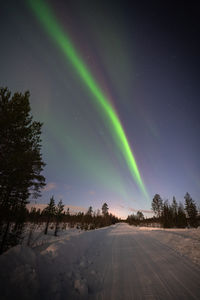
[
  {"x": 51, "y": 25},
  {"x": 116, "y": 85}
]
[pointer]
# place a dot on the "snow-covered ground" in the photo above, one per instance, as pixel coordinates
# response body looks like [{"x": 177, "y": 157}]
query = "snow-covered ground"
[
  {"x": 34, "y": 234},
  {"x": 184, "y": 241},
  {"x": 116, "y": 262}
]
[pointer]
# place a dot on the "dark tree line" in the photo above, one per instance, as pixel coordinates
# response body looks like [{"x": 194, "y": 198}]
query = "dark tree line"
[
  {"x": 58, "y": 218},
  {"x": 176, "y": 214},
  {"x": 20, "y": 164},
  {"x": 169, "y": 215},
  {"x": 135, "y": 219}
]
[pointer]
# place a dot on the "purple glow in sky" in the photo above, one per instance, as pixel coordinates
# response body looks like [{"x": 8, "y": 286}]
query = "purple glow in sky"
[{"x": 145, "y": 57}]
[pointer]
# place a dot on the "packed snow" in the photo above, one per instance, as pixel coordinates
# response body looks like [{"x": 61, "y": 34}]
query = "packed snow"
[
  {"x": 184, "y": 241},
  {"x": 94, "y": 264}
]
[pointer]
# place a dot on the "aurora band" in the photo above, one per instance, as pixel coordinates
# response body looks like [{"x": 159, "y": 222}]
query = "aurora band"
[{"x": 47, "y": 18}]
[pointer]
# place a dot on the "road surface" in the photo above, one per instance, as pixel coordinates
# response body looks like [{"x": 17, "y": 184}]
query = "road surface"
[{"x": 132, "y": 265}]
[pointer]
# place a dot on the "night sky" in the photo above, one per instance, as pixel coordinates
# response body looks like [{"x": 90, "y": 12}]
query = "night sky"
[{"x": 144, "y": 57}]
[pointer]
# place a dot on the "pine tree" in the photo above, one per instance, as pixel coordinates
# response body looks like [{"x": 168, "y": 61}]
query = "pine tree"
[
  {"x": 191, "y": 210},
  {"x": 140, "y": 216},
  {"x": 20, "y": 159},
  {"x": 105, "y": 209},
  {"x": 58, "y": 213},
  {"x": 67, "y": 214},
  {"x": 90, "y": 211},
  {"x": 50, "y": 213},
  {"x": 88, "y": 216}
]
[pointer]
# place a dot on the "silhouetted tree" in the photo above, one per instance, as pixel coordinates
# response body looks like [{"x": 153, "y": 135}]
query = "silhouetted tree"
[
  {"x": 105, "y": 209},
  {"x": 58, "y": 215},
  {"x": 174, "y": 207},
  {"x": 140, "y": 216},
  {"x": 181, "y": 216},
  {"x": 49, "y": 212},
  {"x": 98, "y": 212},
  {"x": 90, "y": 211},
  {"x": 167, "y": 215},
  {"x": 34, "y": 215},
  {"x": 191, "y": 210},
  {"x": 20, "y": 159},
  {"x": 88, "y": 217},
  {"x": 157, "y": 205}
]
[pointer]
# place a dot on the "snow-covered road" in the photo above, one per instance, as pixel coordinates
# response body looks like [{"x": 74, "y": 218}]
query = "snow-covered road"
[
  {"x": 117, "y": 262},
  {"x": 133, "y": 265}
]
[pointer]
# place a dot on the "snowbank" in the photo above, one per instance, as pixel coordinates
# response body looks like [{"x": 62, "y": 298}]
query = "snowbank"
[
  {"x": 18, "y": 274},
  {"x": 185, "y": 241},
  {"x": 54, "y": 268}
]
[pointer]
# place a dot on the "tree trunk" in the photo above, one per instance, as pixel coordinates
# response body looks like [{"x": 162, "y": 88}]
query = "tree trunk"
[
  {"x": 56, "y": 228},
  {"x": 46, "y": 229},
  {"x": 4, "y": 237}
]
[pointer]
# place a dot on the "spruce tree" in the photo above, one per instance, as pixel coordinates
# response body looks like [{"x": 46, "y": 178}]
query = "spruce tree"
[
  {"x": 105, "y": 209},
  {"x": 174, "y": 207},
  {"x": 191, "y": 210},
  {"x": 90, "y": 211},
  {"x": 58, "y": 214},
  {"x": 88, "y": 215},
  {"x": 50, "y": 213},
  {"x": 140, "y": 215}
]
